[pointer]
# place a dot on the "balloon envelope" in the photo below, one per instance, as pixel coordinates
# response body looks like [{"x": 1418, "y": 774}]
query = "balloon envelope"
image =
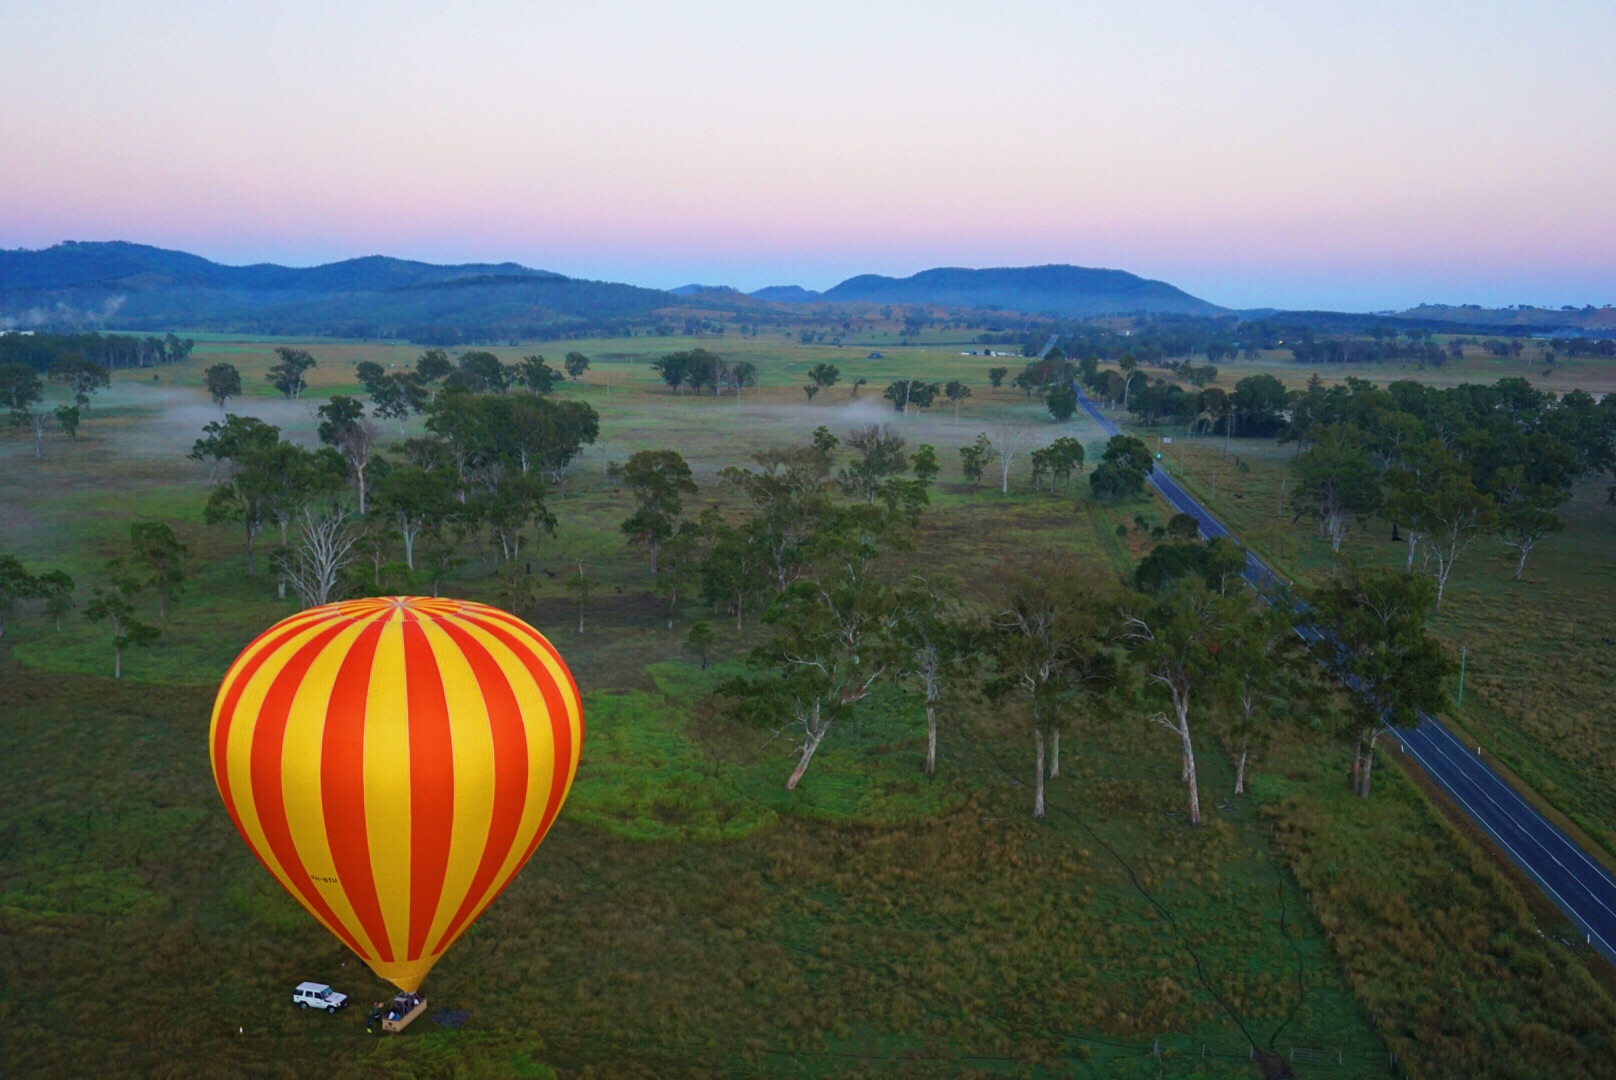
[{"x": 394, "y": 762}]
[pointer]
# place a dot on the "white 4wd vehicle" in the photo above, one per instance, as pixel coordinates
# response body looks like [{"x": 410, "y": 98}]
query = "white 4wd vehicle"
[{"x": 311, "y": 995}]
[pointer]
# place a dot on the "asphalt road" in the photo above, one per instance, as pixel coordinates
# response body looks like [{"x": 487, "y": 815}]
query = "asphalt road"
[{"x": 1573, "y": 881}]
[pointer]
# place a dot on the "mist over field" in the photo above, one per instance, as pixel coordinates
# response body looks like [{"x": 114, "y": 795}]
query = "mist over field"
[{"x": 786, "y": 542}]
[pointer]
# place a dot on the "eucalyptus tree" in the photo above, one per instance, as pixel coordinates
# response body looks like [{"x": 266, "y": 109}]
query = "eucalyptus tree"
[
  {"x": 1269, "y": 680},
  {"x": 1048, "y": 645},
  {"x": 736, "y": 572},
  {"x": 834, "y": 636},
  {"x": 81, "y": 376},
  {"x": 417, "y": 500},
  {"x": 878, "y": 454},
  {"x": 223, "y": 382},
  {"x": 1174, "y": 639},
  {"x": 16, "y": 585},
  {"x": 1378, "y": 645},
  {"x": 659, "y": 480},
  {"x": 115, "y": 608},
  {"x": 936, "y": 648},
  {"x": 789, "y": 497},
  {"x": 159, "y": 552},
  {"x": 821, "y": 377},
  {"x": 289, "y": 374},
  {"x": 1337, "y": 483},
  {"x": 345, "y": 428},
  {"x": 1526, "y": 511}
]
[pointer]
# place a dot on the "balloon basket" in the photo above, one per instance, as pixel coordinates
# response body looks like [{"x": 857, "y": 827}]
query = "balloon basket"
[{"x": 404, "y": 1019}]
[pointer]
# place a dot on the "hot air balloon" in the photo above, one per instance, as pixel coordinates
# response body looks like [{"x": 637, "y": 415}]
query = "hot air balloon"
[{"x": 394, "y": 762}]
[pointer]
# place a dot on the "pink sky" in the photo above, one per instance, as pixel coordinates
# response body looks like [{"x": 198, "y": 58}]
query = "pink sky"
[{"x": 1360, "y": 155}]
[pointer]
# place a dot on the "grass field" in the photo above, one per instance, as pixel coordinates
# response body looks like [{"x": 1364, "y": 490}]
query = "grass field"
[{"x": 687, "y": 916}]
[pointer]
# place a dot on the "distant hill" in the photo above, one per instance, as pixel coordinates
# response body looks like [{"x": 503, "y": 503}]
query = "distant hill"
[
  {"x": 1037, "y": 290},
  {"x": 786, "y": 294},
  {"x": 123, "y": 286},
  {"x": 1521, "y": 319}
]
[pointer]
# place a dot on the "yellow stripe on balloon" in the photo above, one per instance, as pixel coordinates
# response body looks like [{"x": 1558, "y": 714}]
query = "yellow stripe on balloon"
[
  {"x": 541, "y": 750},
  {"x": 238, "y": 751},
  {"x": 301, "y": 781},
  {"x": 473, "y": 773},
  {"x": 387, "y": 783},
  {"x": 530, "y": 702}
]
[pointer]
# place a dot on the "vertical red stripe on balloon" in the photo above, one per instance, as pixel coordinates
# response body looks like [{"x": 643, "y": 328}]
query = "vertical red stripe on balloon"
[
  {"x": 432, "y": 795},
  {"x": 544, "y": 643},
  {"x": 560, "y": 725},
  {"x": 227, "y": 712},
  {"x": 510, "y": 772},
  {"x": 342, "y": 786},
  {"x": 268, "y": 742}
]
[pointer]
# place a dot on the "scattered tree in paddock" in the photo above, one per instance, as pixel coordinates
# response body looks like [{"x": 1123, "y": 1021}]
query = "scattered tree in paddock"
[
  {"x": 906, "y": 392},
  {"x": 996, "y": 376},
  {"x": 238, "y": 444},
  {"x": 433, "y": 366},
  {"x": 393, "y": 395},
  {"x": 113, "y": 607},
  {"x": 1218, "y": 562},
  {"x": 935, "y": 646},
  {"x": 736, "y": 572},
  {"x": 223, "y": 382},
  {"x": 744, "y": 373},
  {"x": 55, "y": 588},
  {"x": 1268, "y": 680},
  {"x": 700, "y": 641},
  {"x": 67, "y": 418},
  {"x": 878, "y": 456},
  {"x": 1058, "y": 461},
  {"x": 16, "y": 585},
  {"x": 344, "y": 428},
  {"x": 677, "y": 571},
  {"x": 789, "y": 498},
  {"x": 575, "y": 363},
  {"x": 833, "y": 636},
  {"x": 581, "y": 584},
  {"x": 416, "y": 499},
  {"x": 1453, "y": 513},
  {"x": 327, "y": 542},
  {"x": 1526, "y": 512},
  {"x": 974, "y": 459},
  {"x": 1008, "y": 439},
  {"x": 480, "y": 372},
  {"x": 536, "y": 375},
  {"x": 159, "y": 553},
  {"x": 81, "y": 376},
  {"x": 1113, "y": 480},
  {"x": 821, "y": 377},
  {"x": 956, "y": 392},
  {"x": 659, "y": 480},
  {"x": 289, "y": 375},
  {"x": 1048, "y": 653},
  {"x": 1175, "y": 639}
]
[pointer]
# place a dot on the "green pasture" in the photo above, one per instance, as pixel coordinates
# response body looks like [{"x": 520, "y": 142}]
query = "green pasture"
[{"x": 688, "y": 916}]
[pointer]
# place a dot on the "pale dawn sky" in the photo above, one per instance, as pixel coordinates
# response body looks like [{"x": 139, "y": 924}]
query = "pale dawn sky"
[{"x": 1356, "y": 155}]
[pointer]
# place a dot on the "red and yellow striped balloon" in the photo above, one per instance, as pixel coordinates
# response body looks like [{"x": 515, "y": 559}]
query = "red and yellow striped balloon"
[{"x": 394, "y": 762}]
